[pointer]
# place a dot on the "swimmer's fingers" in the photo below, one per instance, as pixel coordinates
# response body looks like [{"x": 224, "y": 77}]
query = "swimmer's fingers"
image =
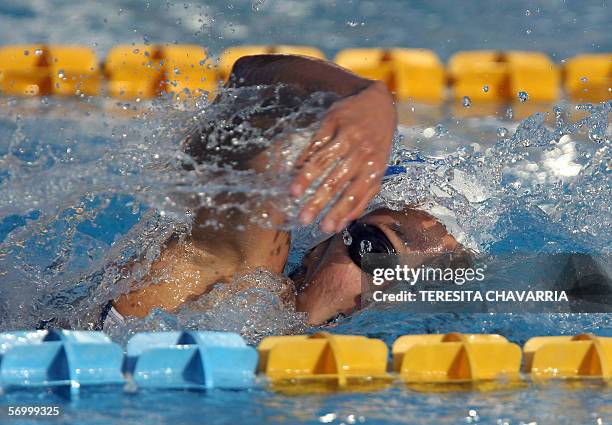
[
  {"x": 360, "y": 126},
  {"x": 337, "y": 179},
  {"x": 317, "y": 166},
  {"x": 325, "y": 133},
  {"x": 361, "y": 168},
  {"x": 320, "y": 140},
  {"x": 352, "y": 202},
  {"x": 359, "y": 207}
]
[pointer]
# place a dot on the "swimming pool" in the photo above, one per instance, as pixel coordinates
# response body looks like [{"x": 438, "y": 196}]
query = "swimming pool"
[{"x": 79, "y": 177}]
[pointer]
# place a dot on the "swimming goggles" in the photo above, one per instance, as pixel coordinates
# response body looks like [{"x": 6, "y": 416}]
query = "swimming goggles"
[{"x": 368, "y": 239}]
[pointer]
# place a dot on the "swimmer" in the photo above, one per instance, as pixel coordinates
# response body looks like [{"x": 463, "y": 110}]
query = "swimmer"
[{"x": 354, "y": 142}]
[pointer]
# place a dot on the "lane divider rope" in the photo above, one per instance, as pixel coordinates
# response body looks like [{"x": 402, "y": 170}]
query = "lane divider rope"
[
  {"x": 412, "y": 74},
  {"x": 205, "y": 360}
]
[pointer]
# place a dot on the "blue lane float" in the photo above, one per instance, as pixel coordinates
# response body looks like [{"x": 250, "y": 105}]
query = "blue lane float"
[
  {"x": 69, "y": 359},
  {"x": 65, "y": 362},
  {"x": 191, "y": 360}
]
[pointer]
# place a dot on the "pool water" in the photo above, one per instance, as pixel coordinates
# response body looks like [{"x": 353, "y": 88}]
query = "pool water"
[
  {"x": 74, "y": 257},
  {"x": 561, "y": 29},
  {"x": 89, "y": 185},
  {"x": 551, "y": 405}
]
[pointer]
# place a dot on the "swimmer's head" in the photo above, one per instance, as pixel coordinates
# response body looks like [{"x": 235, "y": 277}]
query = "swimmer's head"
[{"x": 330, "y": 280}]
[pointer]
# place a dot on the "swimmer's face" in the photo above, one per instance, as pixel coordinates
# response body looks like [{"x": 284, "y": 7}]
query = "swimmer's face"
[{"x": 331, "y": 281}]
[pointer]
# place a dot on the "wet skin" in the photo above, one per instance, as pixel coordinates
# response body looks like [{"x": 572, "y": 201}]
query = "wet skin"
[
  {"x": 354, "y": 141},
  {"x": 329, "y": 284}
]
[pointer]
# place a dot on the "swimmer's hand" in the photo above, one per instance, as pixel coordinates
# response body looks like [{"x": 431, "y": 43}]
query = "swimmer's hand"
[{"x": 354, "y": 139}]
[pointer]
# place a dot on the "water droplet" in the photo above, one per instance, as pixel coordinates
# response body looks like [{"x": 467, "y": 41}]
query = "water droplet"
[
  {"x": 584, "y": 79},
  {"x": 441, "y": 130},
  {"x": 327, "y": 418},
  {"x": 523, "y": 96},
  {"x": 502, "y": 132},
  {"x": 365, "y": 246},
  {"x": 528, "y": 31},
  {"x": 595, "y": 136},
  {"x": 559, "y": 116},
  {"x": 257, "y": 4},
  {"x": 352, "y": 23},
  {"x": 527, "y": 12},
  {"x": 26, "y": 52},
  {"x": 38, "y": 52},
  {"x": 346, "y": 237},
  {"x": 509, "y": 113},
  {"x": 467, "y": 102},
  {"x": 397, "y": 158},
  {"x": 429, "y": 132},
  {"x": 485, "y": 88}
]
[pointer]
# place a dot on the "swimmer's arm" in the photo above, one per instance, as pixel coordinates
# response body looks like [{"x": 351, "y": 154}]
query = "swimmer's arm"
[
  {"x": 309, "y": 74},
  {"x": 354, "y": 139}
]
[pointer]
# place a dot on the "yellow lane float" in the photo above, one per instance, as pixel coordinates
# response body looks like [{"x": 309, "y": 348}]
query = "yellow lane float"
[
  {"x": 580, "y": 356},
  {"x": 38, "y": 69},
  {"x": 455, "y": 358},
  {"x": 186, "y": 68},
  {"x": 501, "y": 76},
  {"x": 588, "y": 78},
  {"x": 415, "y": 74},
  {"x": 339, "y": 360},
  {"x": 74, "y": 70},
  {"x": 134, "y": 71},
  {"x": 146, "y": 71},
  {"x": 24, "y": 70},
  {"x": 232, "y": 54}
]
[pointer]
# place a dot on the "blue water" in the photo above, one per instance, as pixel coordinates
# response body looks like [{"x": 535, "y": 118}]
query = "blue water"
[
  {"x": 393, "y": 406},
  {"x": 560, "y": 28},
  {"x": 79, "y": 181}
]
